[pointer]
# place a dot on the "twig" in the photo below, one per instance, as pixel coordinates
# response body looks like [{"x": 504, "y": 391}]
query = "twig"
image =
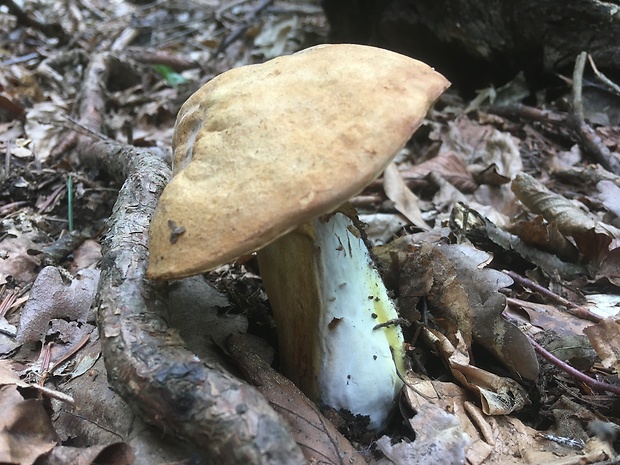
[
  {"x": 579, "y": 376},
  {"x": 7, "y": 302},
  {"x": 577, "y": 104},
  {"x": 70, "y": 353},
  {"x": 149, "y": 56},
  {"x": 571, "y": 308},
  {"x": 525, "y": 282},
  {"x": 247, "y": 22},
  {"x": 575, "y": 120},
  {"x": 604, "y": 79},
  {"x": 582, "y": 130}
]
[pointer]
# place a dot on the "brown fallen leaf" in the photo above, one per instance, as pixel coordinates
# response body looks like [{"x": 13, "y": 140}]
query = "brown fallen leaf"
[
  {"x": 319, "y": 440},
  {"x": 591, "y": 236},
  {"x": 605, "y": 339},
  {"x": 610, "y": 267},
  {"x": 458, "y": 288},
  {"x": 473, "y": 224},
  {"x": 497, "y": 440},
  {"x": 27, "y": 435},
  {"x": 405, "y": 201},
  {"x": 15, "y": 260},
  {"x": 450, "y": 397},
  {"x": 26, "y": 430},
  {"x": 52, "y": 298},
  {"x": 497, "y": 395},
  {"x": 449, "y": 165},
  {"x": 440, "y": 439},
  {"x": 546, "y": 236}
]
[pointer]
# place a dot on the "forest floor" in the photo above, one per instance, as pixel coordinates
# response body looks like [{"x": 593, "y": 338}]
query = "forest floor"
[{"x": 512, "y": 195}]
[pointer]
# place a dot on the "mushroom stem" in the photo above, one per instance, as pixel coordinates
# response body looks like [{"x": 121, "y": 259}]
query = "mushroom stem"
[{"x": 328, "y": 298}]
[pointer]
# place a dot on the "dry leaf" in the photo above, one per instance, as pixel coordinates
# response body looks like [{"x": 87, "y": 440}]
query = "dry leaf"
[
  {"x": 458, "y": 288},
  {"x": 609, "y": 194},
  {"x": 591, "y": 236},
  {"x": 497, "y": 395},
  {"x": 610, "y": 267},
  {"x": 382, "y": 227},
  {"x": 405, "y": 201},
  {"x": 467, "y": 220},
  {"x": 45, "y": 126},
  {"x": 51, "y": 298},
  {"x": 439, "y": 440},
  {"x": 571, "y": 219},
  {"x": 450, "y": 397},
  {"x": 26, "y": 430},
  {"x": 449, "y": 165},
  {"x": 319, "y": 440},
  {"x": 605, "y": 339},
  {"x": 14, "y": 258},
  {"x": 546, "y": 236}
]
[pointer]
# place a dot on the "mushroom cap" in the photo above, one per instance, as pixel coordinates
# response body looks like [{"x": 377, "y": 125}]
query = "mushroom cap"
[{"x": 261, "y": 149}]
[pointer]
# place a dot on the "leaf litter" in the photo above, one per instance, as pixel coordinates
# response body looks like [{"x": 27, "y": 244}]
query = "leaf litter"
[{"x": 476, "y": 392}]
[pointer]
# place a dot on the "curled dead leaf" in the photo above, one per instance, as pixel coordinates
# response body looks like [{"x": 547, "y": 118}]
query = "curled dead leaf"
[{"x": 458, "y": 288}]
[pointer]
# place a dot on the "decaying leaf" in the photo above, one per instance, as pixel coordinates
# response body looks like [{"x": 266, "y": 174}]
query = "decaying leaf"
[
  {"x": 405, "y": 201},
  {"x": 497, "y": 395},
  {"x": 483, "y": 146},
  {"x": 382, "y": 227},
  {"x": 545, "y": 236},
  {"x": 609, "y": 194},
  {"x": 26, "y": 430},
  {"x": 458, "y": 288},
  {"x": 27, "y": 435},
  {"x": 605, "y": 339},
  {"x": 610, "y": 267},
  {"x": 452, "y": 398},
  {"x": 590, "y": 235},
  {"x": 44, "y": 125},
  {"x": 440, "y": 439},
  {"x": 52, "y": 298},
  {"x": 498, "y": 440},
  {"x": 466, "y": 220},
  {"x": 319, "y": 440},
  {"x": 449, "y": 165},
  {"x": 279, "y": 36},
  {"x": 14, "y": 258}
]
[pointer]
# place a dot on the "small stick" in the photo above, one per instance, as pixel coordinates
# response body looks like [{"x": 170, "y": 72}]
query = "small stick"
[
  {"x": 576, "y": 310},
  {"x": 525, "y": 282},
  {"x": 579, "y": 376},
  {"x": 576, "y": 121},
  {"x": 604, "y": 79},
  {"x": 70, "y": 353},
  {"x": 237, "y": 33}
]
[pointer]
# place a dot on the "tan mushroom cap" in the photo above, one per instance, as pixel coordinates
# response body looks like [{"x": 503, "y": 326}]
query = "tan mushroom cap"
[{"x": 261, "y": 149}]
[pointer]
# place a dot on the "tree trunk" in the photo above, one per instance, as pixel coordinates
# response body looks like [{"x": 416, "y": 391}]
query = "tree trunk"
[{"x": 484, "y": 39}]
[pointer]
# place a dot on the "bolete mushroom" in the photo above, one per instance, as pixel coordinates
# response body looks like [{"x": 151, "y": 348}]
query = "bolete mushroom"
[{"x": 260, "y": 153}]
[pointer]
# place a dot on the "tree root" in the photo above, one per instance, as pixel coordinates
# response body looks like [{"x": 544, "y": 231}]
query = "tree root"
[{"x": 147, "y": 364}]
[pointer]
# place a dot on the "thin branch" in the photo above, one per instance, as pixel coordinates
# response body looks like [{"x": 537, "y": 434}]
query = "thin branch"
[
  {"x": 590, "y": 141},
  {"x": 604, "y": 79},
  {"x": 579, "y": 376},
  {"x": 247, "y": 22}
]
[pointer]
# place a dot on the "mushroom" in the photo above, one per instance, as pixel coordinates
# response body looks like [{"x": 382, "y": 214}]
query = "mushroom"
[{"x": 264, "y": 156}]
